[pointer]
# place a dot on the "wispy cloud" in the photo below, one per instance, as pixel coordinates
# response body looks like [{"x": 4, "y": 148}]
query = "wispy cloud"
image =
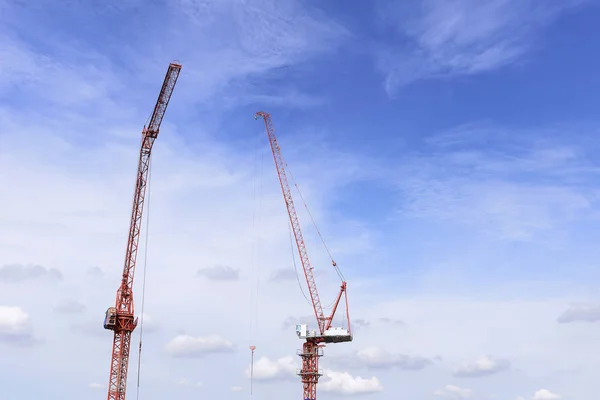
[
  {"x": 512, "y": 184},
  {"x": 481, "y": 367},
  {"x": 225, "y": 46},
  {"x": 376, "y": 357},
  {"x": 220, "y": 273},
  {"x": 20, "y": 273},
  {"x": 260, "y": 42},
  {"x": 453, "y": 392},
  {"x": 461, "y": 36},
  {"x": 580, "y": 313}
]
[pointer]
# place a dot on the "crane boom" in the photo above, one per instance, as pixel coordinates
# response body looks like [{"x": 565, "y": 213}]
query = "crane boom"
[
  {"x": 312, "y": 348},
  {"x": 121, "y": 319},
  {"x": 289, "y": 202}
]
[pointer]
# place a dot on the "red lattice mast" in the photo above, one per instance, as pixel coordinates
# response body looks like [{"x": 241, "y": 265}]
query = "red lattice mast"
[
  {"x": 312, "y": 348},
  {"x": 121, "y": 318}
]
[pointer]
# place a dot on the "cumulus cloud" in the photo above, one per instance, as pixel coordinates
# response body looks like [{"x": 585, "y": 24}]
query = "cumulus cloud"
[
  {"x": 69, "y": 307},
  {"x": 95, "y": 272},
  {"x": 190, "y": 346},
  {"x": 20, "y": 273},
  {"x": 376, "y": 357},
  {"x": 344, "y": 383},
  {"x": 545, "y": 394},
  {"x": 186, "y": 382},
  {"x": 14, "y": 326},
  {"x": 282, "y": 275},
  {"x": 580, "y": 313},
  {"x": 453, "y": 392},
  {"x": 220, "y": 273},
  {"x": 150, "y": 324},
  {"x": 290, "y": 322},
  {"x": 360, "y": 322},
  {"x": 481, "y": 367},
  {"x": 385, "y": 320},
  {"x": 91, "y": 328},
  {"x": 271, "y": 370}
]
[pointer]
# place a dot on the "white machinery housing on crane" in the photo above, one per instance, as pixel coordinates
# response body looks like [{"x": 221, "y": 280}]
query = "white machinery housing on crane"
[{"x": 331, "y": 335}]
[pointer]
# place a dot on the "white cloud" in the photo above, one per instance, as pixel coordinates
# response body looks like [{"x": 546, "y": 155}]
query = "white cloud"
[
  {"x": 360, "y": 323},
  {"x": 96, "y": 386},
  {"x": 95, "y": 272},
  {"x": 545, "y": 394},
  {"x": 483, "y": 366},
  {"x": 15, "y": 325},
  {"x": 13, "y": 319},
  {"x": 186, "y": 382},
  {"x": 344, "y": 383},
  {"x": 288, "y": 34},
  {"x": 461, "y": 37},
  {"x": 281, "y": 275},
  {"x": 268, "y": 370},
  {"x": 149, "y": 323},
  {"x": 463, "y": 180},
  {"x": 20, "y": 273},
  {"x": 290, "y": 322},
  {"x": 376, "y": 357},
  {"x": 580, "y": 313},
  {"x": 453, "y": 392},
  {"x": 220, "y": 273},
  {"x": 236, "y": 388},
  {"x": 391, "y": 321},
  {"x": 190, "y": 346},
  {"x": 69, "y": 306}
]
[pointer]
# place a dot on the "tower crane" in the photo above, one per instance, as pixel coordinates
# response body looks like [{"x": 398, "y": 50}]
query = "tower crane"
[
  {"x": 121, "y": 318},
  {"x": 314, "y": 340}
]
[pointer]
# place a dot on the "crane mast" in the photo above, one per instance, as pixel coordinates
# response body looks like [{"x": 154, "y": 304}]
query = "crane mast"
[
  {"x": 314, "y": 340},
  {"x": 121, "y": 318}
]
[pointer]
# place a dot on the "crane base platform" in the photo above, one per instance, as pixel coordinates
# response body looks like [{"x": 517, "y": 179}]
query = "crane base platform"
[{"x": 331, "y": 335}]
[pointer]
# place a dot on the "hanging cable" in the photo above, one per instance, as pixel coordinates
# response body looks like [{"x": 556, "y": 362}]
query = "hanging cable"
[
  {"x": 339, "y": 272},
  {"x": 295, "y": 266},
  {"x": 137, "y": 396},
  {"x": 259, "y": 243},
  {"x": 257, "y": 192},
  {"x": 252, "y": 348}
]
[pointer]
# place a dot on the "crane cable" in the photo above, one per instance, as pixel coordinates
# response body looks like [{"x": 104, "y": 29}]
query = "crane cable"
[
  {"x": 137, "y": 396},
  {"x": 337, "y": 270},
  {"x": 255, "y": 251},
  {"x": 294, "y": 262}
]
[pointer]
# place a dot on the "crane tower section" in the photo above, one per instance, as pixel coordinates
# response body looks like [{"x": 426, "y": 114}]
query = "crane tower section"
[
  {"x": 314, "y": 339},
  {"x": 121, "y": 318}
]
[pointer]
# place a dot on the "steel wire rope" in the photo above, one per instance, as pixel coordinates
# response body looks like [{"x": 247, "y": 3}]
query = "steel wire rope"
[
  {"x": 149, "y": 182},
  {"x": 255, "y": 252},
  {"x": 295, "y": 266},
  {"x": 337, "y": 270}
]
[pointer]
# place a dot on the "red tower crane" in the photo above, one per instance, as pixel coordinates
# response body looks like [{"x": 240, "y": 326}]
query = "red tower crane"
[
  {"x": 121, "y": 318},
  {"x": 315, "y": 340}
]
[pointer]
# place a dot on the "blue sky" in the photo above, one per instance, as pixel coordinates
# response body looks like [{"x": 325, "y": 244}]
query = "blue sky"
[{"x": 446, "y": 149}]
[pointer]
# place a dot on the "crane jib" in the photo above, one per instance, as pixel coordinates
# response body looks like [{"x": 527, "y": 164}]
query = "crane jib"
[
  {"x": 121, "y": 319},
  {"x": 312, "y": 347}
]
